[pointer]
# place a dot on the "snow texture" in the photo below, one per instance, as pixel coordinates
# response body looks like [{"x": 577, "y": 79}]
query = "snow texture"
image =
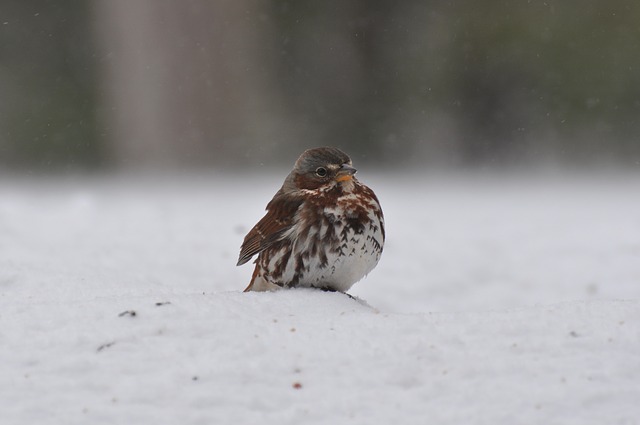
[{"x": 496, "y": 301}]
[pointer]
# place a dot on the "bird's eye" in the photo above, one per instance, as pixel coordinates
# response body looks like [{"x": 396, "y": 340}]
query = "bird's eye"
[{"x": 321, "y": 172}]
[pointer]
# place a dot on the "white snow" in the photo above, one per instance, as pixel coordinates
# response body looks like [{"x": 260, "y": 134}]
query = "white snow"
[{"x": 500, "y": 300}]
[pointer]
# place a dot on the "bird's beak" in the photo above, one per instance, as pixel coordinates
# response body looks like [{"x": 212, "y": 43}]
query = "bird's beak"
[{"x": 345, "y": 173}]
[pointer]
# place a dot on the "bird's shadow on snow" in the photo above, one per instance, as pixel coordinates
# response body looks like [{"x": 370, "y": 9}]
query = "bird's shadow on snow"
[{"x": 305, "y": 299}]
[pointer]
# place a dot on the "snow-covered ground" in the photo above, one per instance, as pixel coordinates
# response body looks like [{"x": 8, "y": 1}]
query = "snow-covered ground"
[{"x": 498, "y": 300}]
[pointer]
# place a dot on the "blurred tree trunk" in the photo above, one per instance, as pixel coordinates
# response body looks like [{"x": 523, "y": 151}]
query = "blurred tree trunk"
[{"x": 186, "y": 82}]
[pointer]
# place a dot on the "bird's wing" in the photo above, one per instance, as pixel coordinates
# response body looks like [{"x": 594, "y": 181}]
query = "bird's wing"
[{"x": 272, "y": 227}]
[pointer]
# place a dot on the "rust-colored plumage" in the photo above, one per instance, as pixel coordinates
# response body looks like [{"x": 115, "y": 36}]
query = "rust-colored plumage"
[{"x": 322, "y": 229}]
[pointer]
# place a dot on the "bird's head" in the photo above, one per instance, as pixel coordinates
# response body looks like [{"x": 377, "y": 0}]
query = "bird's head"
[{"x": 320, "y": 168}]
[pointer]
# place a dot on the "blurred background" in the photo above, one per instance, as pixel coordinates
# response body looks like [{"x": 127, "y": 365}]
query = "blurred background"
[
  {"x": 123, "y": 122},
  {"x": 120, "y": 84}
]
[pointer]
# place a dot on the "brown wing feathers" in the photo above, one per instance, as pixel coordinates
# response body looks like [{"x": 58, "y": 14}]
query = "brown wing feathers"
[{"x": 271, "y": 228}]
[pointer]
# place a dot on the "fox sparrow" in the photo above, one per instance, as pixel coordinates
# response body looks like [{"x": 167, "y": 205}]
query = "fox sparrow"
[{"x": 323, "y": 228}]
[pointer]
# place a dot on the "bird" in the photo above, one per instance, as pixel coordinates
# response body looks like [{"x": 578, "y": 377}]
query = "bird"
[{"x": 323, "y": 229}]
